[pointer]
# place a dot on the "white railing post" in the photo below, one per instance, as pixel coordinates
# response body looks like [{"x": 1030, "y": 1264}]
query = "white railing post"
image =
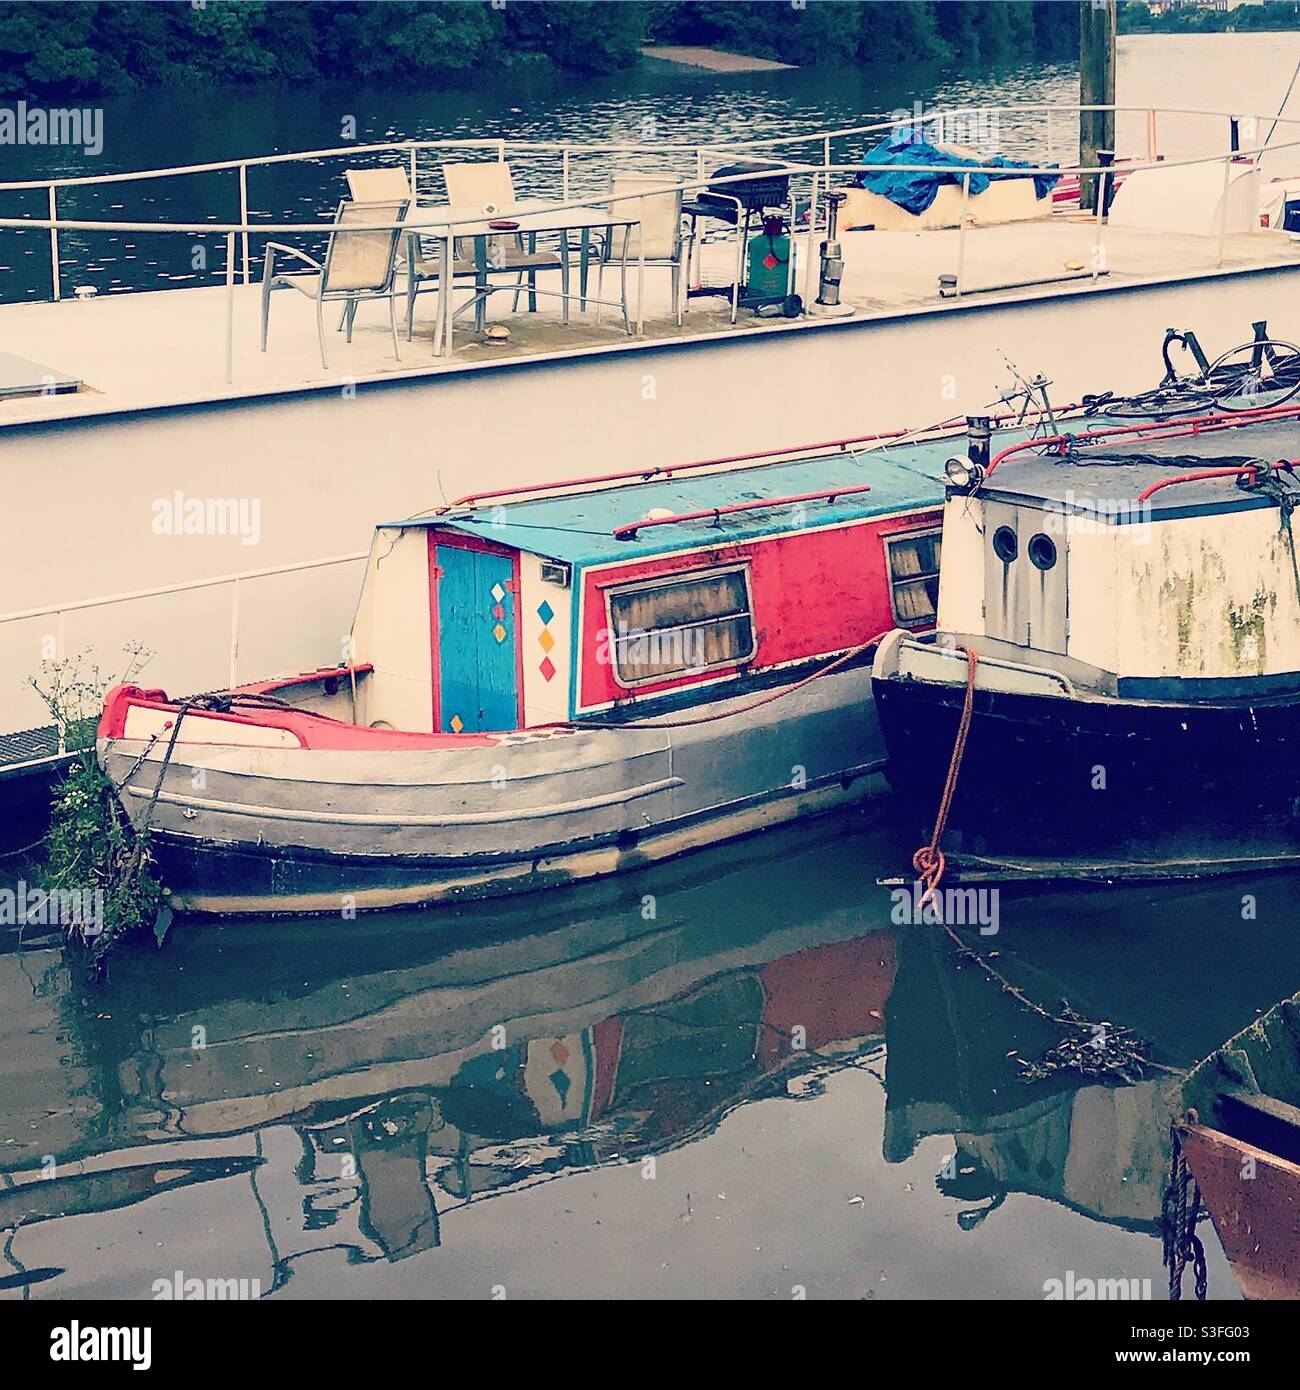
[
  {"x": 54, "y": 242},
  {"x": 243, "y": 212},
  {"x": 1223, "y": 206},
  {"x": 812, "y": 242},
  {"x": 230, "y": 307},
  {"x": 234, "y": 634},
  {"x": 961, "y": 233},
  {"x": 414, "y": 174},
  {"x": 564, "y": 174},
  {"x": 1099, "y": 246},
  {"x": 1153, "y": 152}
]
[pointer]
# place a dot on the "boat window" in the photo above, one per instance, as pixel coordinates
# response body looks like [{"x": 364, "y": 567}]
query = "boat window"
[
  {"x": 914, "y": 577},
  {"x": 1006, "y": 545},
  {"x": 681, "y": 625},
  {"x": 1042, "y": 551}
]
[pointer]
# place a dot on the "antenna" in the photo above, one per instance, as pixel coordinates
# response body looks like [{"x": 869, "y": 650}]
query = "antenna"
[{"x": 1031, "y": 394}]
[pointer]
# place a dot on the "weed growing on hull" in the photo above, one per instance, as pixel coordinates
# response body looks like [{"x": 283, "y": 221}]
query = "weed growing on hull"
[{"x": 97, "y": 875}]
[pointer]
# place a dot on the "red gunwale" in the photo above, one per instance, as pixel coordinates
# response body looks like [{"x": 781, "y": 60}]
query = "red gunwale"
[{"x": 313, "y": 731}]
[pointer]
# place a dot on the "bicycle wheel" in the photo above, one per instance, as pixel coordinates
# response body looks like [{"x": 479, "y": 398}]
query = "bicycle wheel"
[
  {"x": 1160, "y": 403},
  {"x": 1254, "y": 375}
]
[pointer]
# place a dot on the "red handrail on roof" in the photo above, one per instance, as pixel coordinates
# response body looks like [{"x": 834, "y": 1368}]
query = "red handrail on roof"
[
  {"x": 628, "y": 532},
  {"x": 667, "y": 470},
  {"x": 1251, "y": 468},
  {"x": 1176, "y": 428}
]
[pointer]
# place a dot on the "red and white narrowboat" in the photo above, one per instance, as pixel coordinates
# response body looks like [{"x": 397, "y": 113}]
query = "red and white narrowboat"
[{"x": 552, "y": 684}]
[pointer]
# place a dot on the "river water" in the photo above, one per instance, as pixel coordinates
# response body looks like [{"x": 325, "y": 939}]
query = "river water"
[
  {"x": 1245, "y": 73},
  {"x": 743, "y": 1073}
]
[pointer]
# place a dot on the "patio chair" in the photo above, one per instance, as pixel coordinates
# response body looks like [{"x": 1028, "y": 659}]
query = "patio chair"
[
  {"x": 488, "y": 184},
  {"x": 658, "y": 235},
  {"x": 390, "y": 182},
  {"x": 358, "y": 265}
]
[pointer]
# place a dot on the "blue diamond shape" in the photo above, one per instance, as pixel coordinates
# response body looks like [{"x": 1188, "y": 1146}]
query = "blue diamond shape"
[{"x": 545, "y": 612}]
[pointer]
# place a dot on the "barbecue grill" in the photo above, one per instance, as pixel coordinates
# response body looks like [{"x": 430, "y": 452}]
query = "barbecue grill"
[{"x": 746, "y": 204}]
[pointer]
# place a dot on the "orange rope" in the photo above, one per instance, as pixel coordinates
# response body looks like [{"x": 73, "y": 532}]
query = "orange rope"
[{"x": 929, "y": 861}]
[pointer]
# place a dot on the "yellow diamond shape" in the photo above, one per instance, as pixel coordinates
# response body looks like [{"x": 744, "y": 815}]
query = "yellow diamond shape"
[
  {"x": 457, "y": 723},
  {"x": 499, "y": 633},
  {"x": 546, "y": 641}
]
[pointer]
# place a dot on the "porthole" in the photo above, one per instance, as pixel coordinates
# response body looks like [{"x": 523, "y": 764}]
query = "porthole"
[
  {"x": 1042, "y": 551},
  {"x": 1005, "y": 545}
]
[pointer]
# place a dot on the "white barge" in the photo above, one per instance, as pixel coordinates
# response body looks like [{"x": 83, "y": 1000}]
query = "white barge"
[{"x": 129, "y": 413}]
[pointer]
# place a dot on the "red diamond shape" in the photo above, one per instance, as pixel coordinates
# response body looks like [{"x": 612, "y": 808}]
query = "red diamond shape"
[
  {"x": 770, "y": 261},
  {"x": 547, "y": 668}
]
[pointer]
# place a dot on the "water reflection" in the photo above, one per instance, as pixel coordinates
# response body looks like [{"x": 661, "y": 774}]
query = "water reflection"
[{"x": 246, "y": 1097}]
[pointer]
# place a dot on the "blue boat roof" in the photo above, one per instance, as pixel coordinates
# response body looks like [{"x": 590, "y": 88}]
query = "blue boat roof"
[{"x": 578, "y": 527}]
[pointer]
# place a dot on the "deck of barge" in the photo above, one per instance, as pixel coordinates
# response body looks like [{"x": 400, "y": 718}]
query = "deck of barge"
[{"x": 145, "y": 350}]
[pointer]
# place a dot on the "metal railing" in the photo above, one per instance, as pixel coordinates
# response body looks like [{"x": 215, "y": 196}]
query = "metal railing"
[
  {"x": 59, "y": 611},
  {"x": 820, "y": 171}
]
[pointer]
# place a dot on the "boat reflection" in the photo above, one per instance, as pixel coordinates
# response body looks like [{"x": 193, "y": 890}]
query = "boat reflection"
[{"x": 259, "y": 1095}]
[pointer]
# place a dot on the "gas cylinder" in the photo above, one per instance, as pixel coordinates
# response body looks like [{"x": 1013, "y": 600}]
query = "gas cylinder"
[{"x": 769, "y": 260}]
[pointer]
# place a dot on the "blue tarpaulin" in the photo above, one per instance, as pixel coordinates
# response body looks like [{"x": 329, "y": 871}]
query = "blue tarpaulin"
[{"x": 916, "y": 191}]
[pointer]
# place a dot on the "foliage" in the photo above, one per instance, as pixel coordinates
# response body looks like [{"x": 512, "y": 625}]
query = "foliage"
[
  {"x": 50, "y": 49},
  {"x": 91, "y": 848},
  {"x": 1135, "y": 16}
]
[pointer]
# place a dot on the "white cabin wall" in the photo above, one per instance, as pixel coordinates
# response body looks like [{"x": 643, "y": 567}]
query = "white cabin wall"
[
  {"x": 961, "y": 569},
  {"x": 545, "y": 701},
  {"x": 1210, "y": 596},
  {"x": 392, "y": 631},
  {"x": 1099, "y": 619}
]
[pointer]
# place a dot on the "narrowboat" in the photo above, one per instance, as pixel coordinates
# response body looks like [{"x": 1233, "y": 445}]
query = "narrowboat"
[
  {"x": 548, "y": 685},
  {"x": 1114, "y": 681}
]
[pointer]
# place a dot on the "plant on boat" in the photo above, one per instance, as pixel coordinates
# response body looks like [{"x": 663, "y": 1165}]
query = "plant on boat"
[{"x": 94, "y": 860}]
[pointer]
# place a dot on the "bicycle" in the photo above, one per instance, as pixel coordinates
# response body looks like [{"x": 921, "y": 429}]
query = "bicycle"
[{"x": 1259, "y": 373}]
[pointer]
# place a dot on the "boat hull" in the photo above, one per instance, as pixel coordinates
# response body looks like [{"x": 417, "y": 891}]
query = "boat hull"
[
  {"x": 1253, "y": 1197},
  {"x": 1081, "y": 779},
  {"x": 268, "y": 831}
]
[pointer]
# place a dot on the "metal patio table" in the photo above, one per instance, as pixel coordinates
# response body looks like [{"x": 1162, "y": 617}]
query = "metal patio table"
[{"x": 531, "y": 217}]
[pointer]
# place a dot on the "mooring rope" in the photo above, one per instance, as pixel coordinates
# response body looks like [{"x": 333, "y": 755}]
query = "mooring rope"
[{"x": 929, "y": 861}]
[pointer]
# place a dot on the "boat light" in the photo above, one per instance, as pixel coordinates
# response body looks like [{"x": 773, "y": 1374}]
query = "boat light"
[{"x": 963, "y": 473}]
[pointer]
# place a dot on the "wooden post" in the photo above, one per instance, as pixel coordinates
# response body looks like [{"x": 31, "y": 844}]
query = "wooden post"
[{"x": 1097, "y": 20}]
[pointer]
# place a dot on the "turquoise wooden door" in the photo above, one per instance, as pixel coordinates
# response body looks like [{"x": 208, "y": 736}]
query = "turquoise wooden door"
[{"x": 479, "y": 688}]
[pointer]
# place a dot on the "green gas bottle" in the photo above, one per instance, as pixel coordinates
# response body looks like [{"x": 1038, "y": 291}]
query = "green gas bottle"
[{"x": 769, "y": 261}]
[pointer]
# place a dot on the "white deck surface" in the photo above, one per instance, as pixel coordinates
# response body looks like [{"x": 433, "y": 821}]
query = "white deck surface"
[{"x": 168, "y": 347}]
